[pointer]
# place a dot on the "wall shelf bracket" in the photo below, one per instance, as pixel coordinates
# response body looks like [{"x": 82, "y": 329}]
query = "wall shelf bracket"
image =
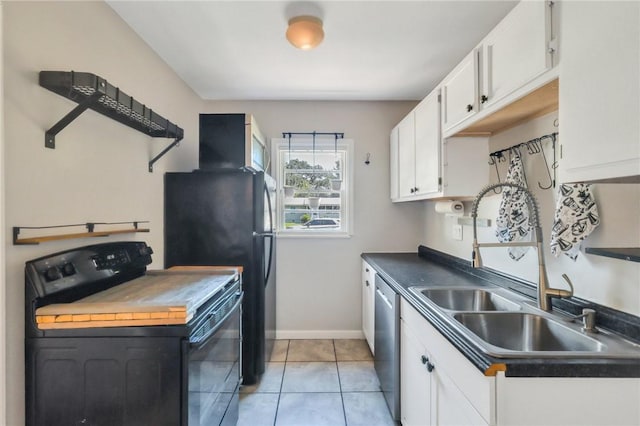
[
  {"x": 176, "y": 142},
  {"x": 50, "y": 135}
]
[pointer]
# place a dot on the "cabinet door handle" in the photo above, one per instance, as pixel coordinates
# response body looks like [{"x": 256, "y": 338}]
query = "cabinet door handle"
[
  {"x": 469, "y": 108},
  {"x": 483, "y": 99},
  {"x": 430, "y": 367},
  {"x": 424, "y": 360},
  {"x": 415, "y": 189},
  {"x": 412, "y": 190},
  {"x": 367, "y": 282}
]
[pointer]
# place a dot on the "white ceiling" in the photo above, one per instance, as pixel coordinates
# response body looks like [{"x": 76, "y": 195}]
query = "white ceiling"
[{"x": 373, "y": 50}]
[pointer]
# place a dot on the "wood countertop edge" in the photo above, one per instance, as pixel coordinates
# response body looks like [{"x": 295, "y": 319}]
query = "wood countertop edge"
[
  {"x": 104, "y": 308},
  {"x": 200, "y": 269},
  {"x": 493, "y": 369},
  {"x": 116, "y": 323}
]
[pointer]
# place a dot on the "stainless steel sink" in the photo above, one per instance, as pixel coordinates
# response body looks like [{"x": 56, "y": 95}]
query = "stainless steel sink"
[
  {"x": 504, "y": 324},
  {"x": 468, "y": 299},
  {"x": 517, "y": 331}
]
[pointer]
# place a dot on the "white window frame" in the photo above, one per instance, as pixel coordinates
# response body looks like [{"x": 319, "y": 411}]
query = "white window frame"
[{"x": 280, "y": 146}]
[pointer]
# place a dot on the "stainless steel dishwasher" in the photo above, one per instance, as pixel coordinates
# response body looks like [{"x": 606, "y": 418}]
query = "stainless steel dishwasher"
[{"x": 387, "y": 344}]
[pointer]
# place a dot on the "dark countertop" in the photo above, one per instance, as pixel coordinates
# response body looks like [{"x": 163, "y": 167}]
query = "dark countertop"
[{"x": 430, "y": 267}]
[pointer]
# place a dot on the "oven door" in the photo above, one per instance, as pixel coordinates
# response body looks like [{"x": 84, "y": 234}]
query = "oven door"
[{"x": 214, "y": 368}]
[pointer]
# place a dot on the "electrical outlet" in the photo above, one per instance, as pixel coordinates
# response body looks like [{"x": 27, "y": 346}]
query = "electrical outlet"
[{"x": 457, "y": 232}]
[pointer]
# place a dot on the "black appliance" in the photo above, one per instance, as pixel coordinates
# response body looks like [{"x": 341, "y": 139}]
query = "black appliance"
[
  {"x": 182, "y": 374},
  {"x": 225, "y": 217},
  {"x": 231, "y": 141}
]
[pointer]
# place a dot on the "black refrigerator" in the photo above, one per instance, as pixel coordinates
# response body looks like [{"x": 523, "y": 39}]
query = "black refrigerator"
[{"x": 225, "y": 217}]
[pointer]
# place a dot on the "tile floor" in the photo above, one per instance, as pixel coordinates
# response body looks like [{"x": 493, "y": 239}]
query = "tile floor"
[{"x": 316, "y": 383}]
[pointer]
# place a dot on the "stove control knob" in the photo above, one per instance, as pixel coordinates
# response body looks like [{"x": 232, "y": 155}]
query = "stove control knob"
[
  {"x": 145, "y": 251},
  {"x": 68, "y": 269},
  {"x": 53, "y": 273}
]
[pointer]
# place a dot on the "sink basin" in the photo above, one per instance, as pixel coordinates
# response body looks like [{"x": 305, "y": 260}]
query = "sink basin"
[
  {"x": 523, "y": 332},
  {"x": 468, "y": 299}
]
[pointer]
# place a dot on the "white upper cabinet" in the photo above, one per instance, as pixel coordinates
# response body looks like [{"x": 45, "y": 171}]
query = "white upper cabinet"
[
  {"x": 460, "y": 92},
  {"x": 427, "y": 151},
  {"x": 515, "y": 52},
  {"x": 600, "y": 91},
  {"x": 394, "y": 187},
  {"x": 417, "y": 141},
  {"x": 519, "y": 49},
  {"x": 406, "y": 156},
  {"x": 429, "y": 167}
]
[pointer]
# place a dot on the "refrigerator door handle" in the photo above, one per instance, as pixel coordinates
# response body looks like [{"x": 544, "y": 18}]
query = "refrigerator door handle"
[
  {"x": 271, "y": 235},
  {"x": 263, "y": 234}
]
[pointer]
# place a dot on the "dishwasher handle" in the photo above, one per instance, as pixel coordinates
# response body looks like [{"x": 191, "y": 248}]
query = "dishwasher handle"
[{"x": 384, "y": 298}]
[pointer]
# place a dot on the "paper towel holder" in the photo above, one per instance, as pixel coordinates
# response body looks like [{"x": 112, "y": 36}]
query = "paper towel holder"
[{"x": 450, "y": 208}]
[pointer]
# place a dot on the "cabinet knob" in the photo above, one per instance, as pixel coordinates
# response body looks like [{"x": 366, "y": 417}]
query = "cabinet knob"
[
  {"x": 469, "y": 108},
  {"x": 415, "y": 189},
  {"x": 367, "y": 282},
  {"x": 424, "y": 359},
  {"x": 430, "y": 367},
  {"x": 412, "y": 190},
  {"x": 484, "y": 99}
]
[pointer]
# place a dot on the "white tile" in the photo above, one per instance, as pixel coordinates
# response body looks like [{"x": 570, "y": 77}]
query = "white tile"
[
  {"x": 366, "y": 409},
  {"x": 310, "y": 377},
  {"x": 271, "y": 379},
  {"x": 310, "y": 409},
  {"x": 258, "y": 409},
  {"x": 358, "y": 376}
]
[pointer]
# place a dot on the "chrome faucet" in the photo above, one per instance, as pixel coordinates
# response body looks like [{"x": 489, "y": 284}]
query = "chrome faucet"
[{"x": 544, "y": 293}]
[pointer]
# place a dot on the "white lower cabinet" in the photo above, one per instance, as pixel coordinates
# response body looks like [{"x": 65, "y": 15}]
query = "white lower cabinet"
[
  {"x": 438, "y": 385},
  {"x": 455, "y": 392},
  {"x": 368, "y": 303},
  {"x": 561, "y": 401},
  {"x": 416, "y": 400}
]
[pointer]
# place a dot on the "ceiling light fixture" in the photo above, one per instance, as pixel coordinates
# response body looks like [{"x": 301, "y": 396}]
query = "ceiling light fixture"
[{"x": 305, "y": 32}]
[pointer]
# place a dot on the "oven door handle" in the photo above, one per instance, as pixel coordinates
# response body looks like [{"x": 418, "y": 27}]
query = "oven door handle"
[{"x": 203, "y": 341}]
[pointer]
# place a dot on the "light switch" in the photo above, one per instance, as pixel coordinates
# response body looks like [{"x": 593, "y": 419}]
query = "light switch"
[{"x": 457, "y": 232}]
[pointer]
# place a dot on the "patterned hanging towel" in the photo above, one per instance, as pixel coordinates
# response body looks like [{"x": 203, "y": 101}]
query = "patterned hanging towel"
[
  {"x": 576, "y": 217},
  {"x": 512, "y": 223}
]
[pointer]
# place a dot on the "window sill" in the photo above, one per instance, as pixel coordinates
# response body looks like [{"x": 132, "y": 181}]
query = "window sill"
[{"x": 312, "y": 234}]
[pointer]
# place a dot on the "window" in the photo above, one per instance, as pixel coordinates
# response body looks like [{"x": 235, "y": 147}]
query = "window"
[{"x": 314, "y": 185}]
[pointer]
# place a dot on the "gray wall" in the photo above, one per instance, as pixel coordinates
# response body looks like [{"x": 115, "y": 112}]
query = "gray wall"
[
  {"x": 98, "y": 171},
  {"x": 318, "y": 278}
]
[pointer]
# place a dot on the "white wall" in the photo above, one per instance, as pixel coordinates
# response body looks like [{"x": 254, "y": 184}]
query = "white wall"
[
  {"x": 319, "y": 279},
  {"x": 610, "y": 282},
  {"x": 3, "y": 323},
  {"x": 98, "y": 171}
]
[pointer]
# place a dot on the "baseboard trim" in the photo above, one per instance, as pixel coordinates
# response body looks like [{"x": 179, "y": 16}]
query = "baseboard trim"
[{"x": 319, "y": 334}]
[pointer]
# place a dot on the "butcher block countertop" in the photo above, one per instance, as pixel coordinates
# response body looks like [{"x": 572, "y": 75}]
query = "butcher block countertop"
[{"x": 166, "y": 297}]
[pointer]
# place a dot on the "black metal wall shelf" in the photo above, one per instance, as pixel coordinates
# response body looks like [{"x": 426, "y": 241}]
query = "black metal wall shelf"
[
  {"x": 93, "y": 92},
  {"x": 90, "y": 232},
  {"x": 631, "y": 254}
]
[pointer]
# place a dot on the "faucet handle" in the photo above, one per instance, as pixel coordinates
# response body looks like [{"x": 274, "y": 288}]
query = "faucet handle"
[
  {"x": 557, "y": 292},
  {"x": 566, "y": 278}
]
